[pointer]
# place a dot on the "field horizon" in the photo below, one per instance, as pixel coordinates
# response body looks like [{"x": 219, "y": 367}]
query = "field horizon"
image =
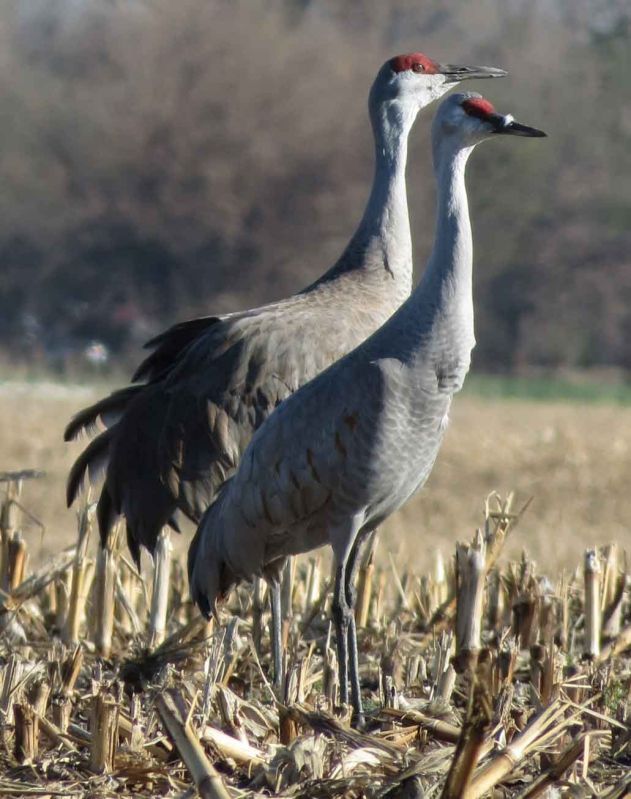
[{"x": 568, "y": 450}]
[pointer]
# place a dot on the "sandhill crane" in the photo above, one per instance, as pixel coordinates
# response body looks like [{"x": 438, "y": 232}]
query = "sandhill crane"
[
  {"x": 171, "y": 441},
  {"x": 350, "y": 447}
]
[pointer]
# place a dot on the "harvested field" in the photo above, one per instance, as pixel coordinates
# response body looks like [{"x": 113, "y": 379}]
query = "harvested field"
[
  {"x": 106, "y": 690},
  {"x": 483, "y": 678}
]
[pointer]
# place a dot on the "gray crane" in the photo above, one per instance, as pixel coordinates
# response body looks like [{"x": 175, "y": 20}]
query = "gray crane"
[
  {"x": 176, "y": 433},
  {"x": 349, "y": 448}
]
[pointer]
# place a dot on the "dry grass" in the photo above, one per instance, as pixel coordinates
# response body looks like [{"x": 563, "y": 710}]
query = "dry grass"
[{"x": 575, "y": 460}]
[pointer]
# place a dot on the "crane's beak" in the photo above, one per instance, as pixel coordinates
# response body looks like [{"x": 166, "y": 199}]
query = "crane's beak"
[
  {"x": 454, "y": 73},
  {"x": 507, "y": 126}
]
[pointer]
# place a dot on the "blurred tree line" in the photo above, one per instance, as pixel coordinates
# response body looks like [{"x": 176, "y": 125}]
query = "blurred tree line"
[{"x": 161, "y": 160}]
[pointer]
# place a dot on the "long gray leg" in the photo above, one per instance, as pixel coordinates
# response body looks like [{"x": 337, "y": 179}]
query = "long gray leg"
[
  {"x": 350, "y": 590},
  {"x": 343, "y": 539},
  {"x": 341, "y": 616},
  {"x": 276, "y": 633}
]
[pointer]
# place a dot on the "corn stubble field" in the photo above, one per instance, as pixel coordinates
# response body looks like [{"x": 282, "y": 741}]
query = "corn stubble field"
[{"x": 485, "y": 671}]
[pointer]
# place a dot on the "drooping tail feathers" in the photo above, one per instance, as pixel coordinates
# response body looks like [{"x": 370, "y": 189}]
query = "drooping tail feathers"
[
  {"x": 91, "y": 464},
  {"x": 106, "y": 409},
  {"x": 142, "y": 528},
  {"x": 169, "y": 346},
  {"x": 106, "y": 517}
]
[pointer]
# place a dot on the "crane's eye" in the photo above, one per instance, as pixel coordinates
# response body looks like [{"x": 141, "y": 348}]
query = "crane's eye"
[{"x": 418, "y": 67}]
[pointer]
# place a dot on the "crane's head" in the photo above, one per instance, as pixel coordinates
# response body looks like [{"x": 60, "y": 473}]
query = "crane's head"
[
  {"x": 467, "y": 118},
  {"x": 415, "y": 80}
]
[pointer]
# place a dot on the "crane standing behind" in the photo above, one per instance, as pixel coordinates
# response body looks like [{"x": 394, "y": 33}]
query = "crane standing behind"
[
  {"x": 171, "y": 441},
  {"x": 350, "y": 447}
]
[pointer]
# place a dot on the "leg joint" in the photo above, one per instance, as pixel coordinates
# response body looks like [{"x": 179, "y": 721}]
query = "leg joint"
[{"x": 341, "y": 610}]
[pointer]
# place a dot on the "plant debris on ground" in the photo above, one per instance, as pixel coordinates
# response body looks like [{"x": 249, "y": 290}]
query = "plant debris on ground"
[{"x": 482, "y": 679}]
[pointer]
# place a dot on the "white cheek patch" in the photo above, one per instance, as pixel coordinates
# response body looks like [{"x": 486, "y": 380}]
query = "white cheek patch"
[{"x": 507, "y": 119}]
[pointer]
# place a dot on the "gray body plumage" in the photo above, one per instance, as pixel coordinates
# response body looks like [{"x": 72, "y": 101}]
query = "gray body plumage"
[
  {"x": 350, "y": 447},
  {"x": 180, "y": 436},
  {"x": 172, "y": 441}
]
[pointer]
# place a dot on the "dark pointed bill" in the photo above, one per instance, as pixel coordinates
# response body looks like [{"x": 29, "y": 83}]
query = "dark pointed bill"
[
  {"x": 507, "y": 126},
  {"x": 454, "y": 73}
]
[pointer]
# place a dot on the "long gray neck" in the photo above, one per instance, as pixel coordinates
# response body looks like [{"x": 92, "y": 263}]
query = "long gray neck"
[
  {"x": 434, "y": 328},
  {"x": 382, "y": 243},
  {"x": 448, "y": 278}
]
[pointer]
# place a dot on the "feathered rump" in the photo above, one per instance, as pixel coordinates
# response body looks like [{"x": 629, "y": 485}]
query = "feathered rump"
[
  {"x": 173, "y": 440},
  {"x": 163, "y": 452}
]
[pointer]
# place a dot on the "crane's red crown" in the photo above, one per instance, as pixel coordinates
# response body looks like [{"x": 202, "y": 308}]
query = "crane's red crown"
[
  {"x": 478, "y": 107},
  {"x": 416, "y": 62}
]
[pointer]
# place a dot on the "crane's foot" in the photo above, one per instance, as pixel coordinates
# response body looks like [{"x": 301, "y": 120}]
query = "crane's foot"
[{"x": 358, "y": 721}]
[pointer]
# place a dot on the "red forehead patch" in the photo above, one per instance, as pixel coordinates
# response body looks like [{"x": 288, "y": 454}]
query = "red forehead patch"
[
  {"x": 478, "y": 107},
  {"x": 401, "y": 63}
]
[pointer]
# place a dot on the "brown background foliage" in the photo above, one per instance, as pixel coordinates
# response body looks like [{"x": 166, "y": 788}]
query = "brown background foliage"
[{"x": 161, "y": 160}]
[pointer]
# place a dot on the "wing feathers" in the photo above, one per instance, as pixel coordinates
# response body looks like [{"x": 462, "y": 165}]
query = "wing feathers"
[
  {"x": 91, "y": 464},
  {"x": 106, "y": 517},
  {"x": 112, "y": 405},
  {"x": 211, "y": 382},
  {"x": 170, "y": 345}
]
